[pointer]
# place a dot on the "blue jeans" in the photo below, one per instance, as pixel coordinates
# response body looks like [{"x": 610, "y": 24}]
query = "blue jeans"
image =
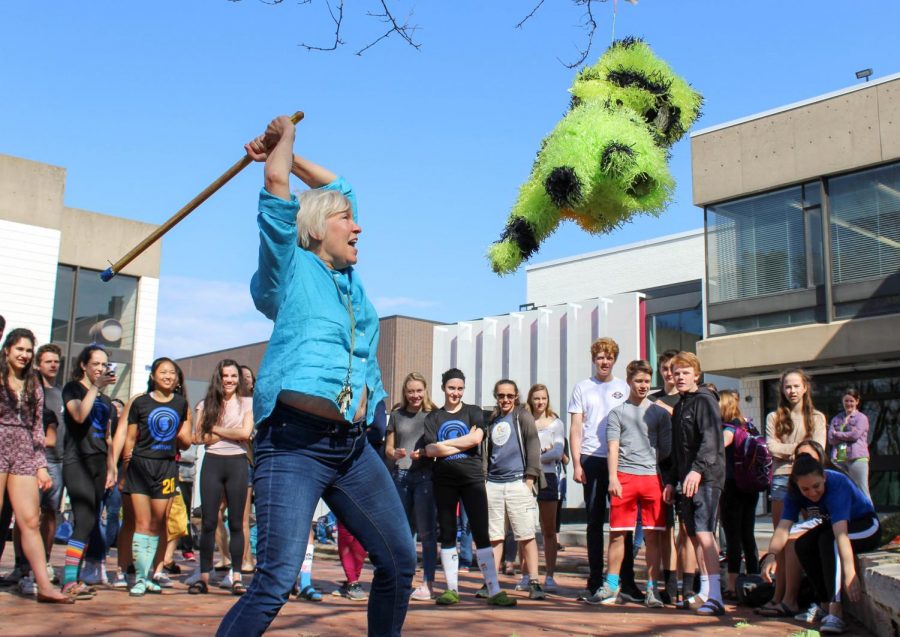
[
  {"x": 464, "y": 531},
  {"x": 105, "y": 535},
  {"x": 416, "y": 492},
  {"x": 300, "y": 458}
]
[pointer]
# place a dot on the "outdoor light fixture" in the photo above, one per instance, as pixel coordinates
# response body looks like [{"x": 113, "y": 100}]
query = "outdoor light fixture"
[{"x": 864, "y": 74}]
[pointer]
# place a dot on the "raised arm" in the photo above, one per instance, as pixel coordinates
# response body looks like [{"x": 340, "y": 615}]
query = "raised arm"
[{"x": 311, "y": 174}]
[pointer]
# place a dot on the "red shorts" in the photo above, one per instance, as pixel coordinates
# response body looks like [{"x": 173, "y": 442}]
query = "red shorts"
[{"x": 646, "y": 490}]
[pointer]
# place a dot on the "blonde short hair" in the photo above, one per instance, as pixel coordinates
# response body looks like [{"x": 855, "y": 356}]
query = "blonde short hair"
[{"x": 316, "y": 205}]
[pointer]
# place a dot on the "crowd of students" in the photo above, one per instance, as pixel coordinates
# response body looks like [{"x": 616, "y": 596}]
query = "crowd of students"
[{"x": 668, "y": 461}]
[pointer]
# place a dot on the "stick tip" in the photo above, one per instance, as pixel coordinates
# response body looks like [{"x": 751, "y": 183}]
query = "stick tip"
[{"x": 107, "y": 275}]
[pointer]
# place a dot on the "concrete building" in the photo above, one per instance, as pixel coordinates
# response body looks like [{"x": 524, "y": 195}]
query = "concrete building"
[
  {"x": 51, "y": 257},
  {"x": 802, "y": 210}
]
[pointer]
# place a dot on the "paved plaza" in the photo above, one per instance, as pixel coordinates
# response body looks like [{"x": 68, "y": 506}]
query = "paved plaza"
[{"x": 113, "y": 612}]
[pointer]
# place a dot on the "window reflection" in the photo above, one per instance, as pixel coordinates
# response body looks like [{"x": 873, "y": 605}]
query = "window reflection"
[{"x": 104, "y": 313}]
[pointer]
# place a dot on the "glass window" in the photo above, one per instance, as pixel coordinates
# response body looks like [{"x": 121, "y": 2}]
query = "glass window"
[
  {"x": 678, "y": 330},
  {"x": 104, "y": 313},
  {"x": 758, "y": 245},
  {"x": 865, "y": 224}
]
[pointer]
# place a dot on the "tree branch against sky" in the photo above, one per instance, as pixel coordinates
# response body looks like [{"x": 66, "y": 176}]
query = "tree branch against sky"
[{"x": 386, "y": 14}]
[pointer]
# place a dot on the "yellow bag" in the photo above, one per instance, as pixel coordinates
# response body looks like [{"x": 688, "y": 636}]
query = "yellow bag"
[{"x": 177, "y": 524}]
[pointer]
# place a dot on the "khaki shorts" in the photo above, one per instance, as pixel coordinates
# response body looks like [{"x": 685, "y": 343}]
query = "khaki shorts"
[{"x": 515, "y": 502}]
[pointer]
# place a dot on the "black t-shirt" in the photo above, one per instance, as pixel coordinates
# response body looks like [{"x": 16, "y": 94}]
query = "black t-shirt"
[
  {"x": 667, "y": 399},
  {"x": 464, "y": 467},
  {"x": 158, "y": 424},
  {"x": 87, "y": 438}
]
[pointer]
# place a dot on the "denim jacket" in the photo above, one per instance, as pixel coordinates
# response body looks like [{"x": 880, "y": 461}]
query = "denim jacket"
[{"x": 309, "y": 348}]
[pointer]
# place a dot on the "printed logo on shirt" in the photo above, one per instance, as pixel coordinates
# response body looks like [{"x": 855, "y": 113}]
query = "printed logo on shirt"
[
  {"x": 450, "y": 430},
  {"x": 617, "y": 395},
  {"x": 163, "y": 425},
  {"x": 99, "y": 419},
  {"x": 500, "y": 433}
]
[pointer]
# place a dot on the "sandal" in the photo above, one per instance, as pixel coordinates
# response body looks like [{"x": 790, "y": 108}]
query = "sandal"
[
  {"x": 711, "y": 607},
  {"x": 198, "y": 588},
  {"x": 310, "y": 594},
  {"x": 78, "y": 590},
  {"x": 238, "y": 588},
  {"x": 691, "y": 603},
  {"x": 778, "y": 610}
]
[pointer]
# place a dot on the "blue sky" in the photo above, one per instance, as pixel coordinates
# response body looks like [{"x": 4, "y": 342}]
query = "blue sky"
[{"x": 144, "y": 103}]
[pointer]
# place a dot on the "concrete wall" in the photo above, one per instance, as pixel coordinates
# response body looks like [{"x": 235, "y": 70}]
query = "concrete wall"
[
  {"x": 846, "y": 130},
  {"x": 93, "y": 240},
  {"x": 770, "y": 351},
  {"x": 144, "y": 332},
  {"x": 637, "y": 266},
  {"x": 31, "y": 192}
]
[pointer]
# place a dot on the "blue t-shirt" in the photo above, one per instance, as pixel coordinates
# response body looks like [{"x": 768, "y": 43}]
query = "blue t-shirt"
[{"x": 842, "y": 501}]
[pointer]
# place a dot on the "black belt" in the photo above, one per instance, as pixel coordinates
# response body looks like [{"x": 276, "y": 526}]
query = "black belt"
[{"x": 327, "y": 425}]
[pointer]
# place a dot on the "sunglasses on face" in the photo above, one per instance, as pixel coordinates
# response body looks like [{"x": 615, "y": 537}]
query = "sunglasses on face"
[{"x": 506, "y": 396}]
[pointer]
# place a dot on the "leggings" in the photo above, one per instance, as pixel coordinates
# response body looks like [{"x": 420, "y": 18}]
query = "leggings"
[
  {"x": 737, "y": 513},
  {"x": 817, "y": 551},
  {"x": 220, "y": 474},
  {"x": 352, "y": 554},
  {"x": 474, "y": 499},
  {"x": 85, "y": 480}
]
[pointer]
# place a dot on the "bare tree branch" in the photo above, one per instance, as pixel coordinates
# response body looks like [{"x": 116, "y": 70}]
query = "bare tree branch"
[
  {"x": 338, "y": 20},
  {"x": 406, "y": 31},
  {"x": 533, "y": 11},
  {"x": 590, "y": 25}
]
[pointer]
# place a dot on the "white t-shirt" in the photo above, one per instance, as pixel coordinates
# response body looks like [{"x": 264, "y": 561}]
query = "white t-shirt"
[{"x": 595, "y": 400}]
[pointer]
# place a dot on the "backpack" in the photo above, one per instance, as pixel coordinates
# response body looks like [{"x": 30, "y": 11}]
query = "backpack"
[{"x": 753, "y": 463}]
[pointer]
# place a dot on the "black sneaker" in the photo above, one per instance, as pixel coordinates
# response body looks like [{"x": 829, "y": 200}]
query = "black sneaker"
[
  {"x": 633, "y": 595},
  {"x": 535, "y": 591}
]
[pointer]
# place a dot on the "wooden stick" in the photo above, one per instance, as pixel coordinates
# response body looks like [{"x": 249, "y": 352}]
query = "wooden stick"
[{"x": 188, "y": 208}]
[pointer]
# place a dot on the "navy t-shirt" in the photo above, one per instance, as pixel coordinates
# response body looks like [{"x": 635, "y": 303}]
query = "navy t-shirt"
[
  {"x": 460, "y": 468},
  {"x": 842, "y": 500},
  {"x": 505, "y": 463},
  {"x": 158, "y": 424},
  {"x": 86, "y": 438}
]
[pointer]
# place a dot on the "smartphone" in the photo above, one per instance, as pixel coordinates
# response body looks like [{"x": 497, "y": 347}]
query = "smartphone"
[{"x": 111, "y": 369}]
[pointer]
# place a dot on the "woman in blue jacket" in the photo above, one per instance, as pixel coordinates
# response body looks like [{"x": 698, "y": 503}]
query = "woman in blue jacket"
[{"x": 317, "y": 390}]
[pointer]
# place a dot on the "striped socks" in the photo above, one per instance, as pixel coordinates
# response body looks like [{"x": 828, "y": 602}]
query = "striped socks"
[
  {"x": 306, "y": 568},
  {"x": 74, "y": 552}
]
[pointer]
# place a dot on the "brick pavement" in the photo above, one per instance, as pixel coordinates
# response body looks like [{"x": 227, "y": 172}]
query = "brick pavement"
[{"x": 176, "y": 613}]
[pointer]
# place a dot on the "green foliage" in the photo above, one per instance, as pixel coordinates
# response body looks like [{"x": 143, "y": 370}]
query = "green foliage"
[{"x": 607, "y": 159}]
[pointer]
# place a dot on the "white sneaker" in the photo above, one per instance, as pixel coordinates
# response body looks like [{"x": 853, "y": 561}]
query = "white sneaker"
[
  {"x": 523, "y": 583},
  {"x": 226, "y": 582},
  {"x": 550, "y": 584},
  {"x": 162, "y": 580},
  {"x": 194, "y": 577},
  {"x": 27, "y": 585}
]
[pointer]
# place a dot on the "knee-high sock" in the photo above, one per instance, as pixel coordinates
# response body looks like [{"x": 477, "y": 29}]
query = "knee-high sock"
[
  {"x": 306, "y": 568},
  {"x": 144, "y": 547},
  {"x": 450, "y": 562},
  {"x": 74, "y": 552},
  {"x": 488, "y": 569}
]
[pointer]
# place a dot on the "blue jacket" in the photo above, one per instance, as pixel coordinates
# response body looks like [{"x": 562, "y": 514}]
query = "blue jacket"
[{"x": 309, "y": 347}]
